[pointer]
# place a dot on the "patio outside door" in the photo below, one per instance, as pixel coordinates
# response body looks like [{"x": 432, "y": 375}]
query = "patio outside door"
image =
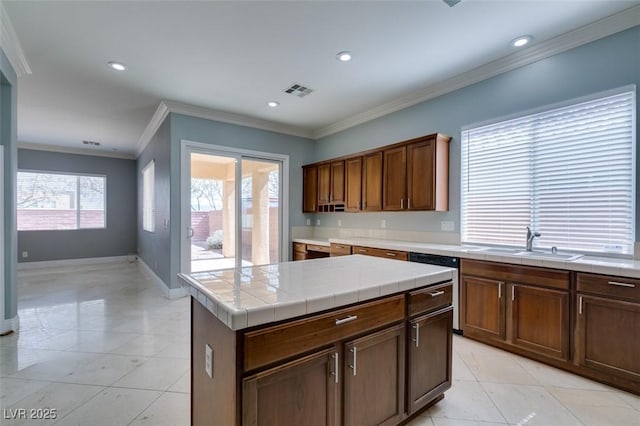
[{"x": 234, "y": 214}]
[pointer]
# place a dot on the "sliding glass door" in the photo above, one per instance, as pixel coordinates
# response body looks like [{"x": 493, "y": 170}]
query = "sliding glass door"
[{"x": 232, "y": 209}]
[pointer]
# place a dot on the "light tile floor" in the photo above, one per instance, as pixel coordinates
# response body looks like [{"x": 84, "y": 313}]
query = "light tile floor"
[{"x": 102, "y": 346}]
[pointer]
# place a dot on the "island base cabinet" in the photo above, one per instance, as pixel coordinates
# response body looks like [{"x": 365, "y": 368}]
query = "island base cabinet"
[
  {"x": 302, "y": 392},
  {"x": 429, "y": 365},
  {"x": 374, "y": 379},
  {"x": 605, "y": 339}
]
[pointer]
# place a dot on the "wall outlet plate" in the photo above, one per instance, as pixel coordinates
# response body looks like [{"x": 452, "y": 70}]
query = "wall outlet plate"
[
  {"x": 308, "y": 222},
  {"x": 383, "y": 223},
  {"x": 208, "y": 360},
  {"x": 446, "y": 225},
  {"x": 339, "y": 222},
  {"x": 25, "y": 254},
  {"x": 318, "y": 222}
]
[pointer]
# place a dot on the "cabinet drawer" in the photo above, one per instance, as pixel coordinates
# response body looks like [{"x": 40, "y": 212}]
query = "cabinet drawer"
[
  {"x": 430, "y": 298},
  {"x": 340, "y": 249},
  {"x": 300, "y": 247},
  {"x": 316, "y": 247},
  {"x": 626, "y": 288},
  {"x": 271, "y": 344},
  {"x": 389, "y": 254}
]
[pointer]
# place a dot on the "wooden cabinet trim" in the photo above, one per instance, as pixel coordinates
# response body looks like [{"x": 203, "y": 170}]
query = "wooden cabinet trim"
[{"x": 545, "y": 277}]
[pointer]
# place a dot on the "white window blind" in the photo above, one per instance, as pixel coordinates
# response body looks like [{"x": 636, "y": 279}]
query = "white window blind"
[
  {"x": 148, "y": 197},
  {"x": 567, "y": 172}
]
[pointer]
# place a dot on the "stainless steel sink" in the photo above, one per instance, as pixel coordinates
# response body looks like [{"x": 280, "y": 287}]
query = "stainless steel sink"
[
  {"x": 549, "y": 256},
  {"x": 501, "y": 250}
]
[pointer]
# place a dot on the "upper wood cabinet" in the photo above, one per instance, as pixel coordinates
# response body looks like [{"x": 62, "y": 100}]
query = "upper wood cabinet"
[
  {"x": 310, "y": 189},
  {"x": 353, "y": 184},
  {"x": 372, "y": 182},
  {"x": 394, "y": 177},
  {"x": 409, "y": 175}
]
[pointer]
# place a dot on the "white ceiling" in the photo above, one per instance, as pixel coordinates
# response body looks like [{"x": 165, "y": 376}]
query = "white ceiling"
[{"x": 234, "y": 56}]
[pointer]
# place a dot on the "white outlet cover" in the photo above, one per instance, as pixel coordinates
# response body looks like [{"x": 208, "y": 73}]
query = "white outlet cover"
[
  {"x": 308, "y": 221},
  {"x": 208, "y": 360},
  {"x": 339, "y": 222},
  {"x": 25, "y": 254},
  {"x": 383, "y": 223},
  {"x": 446, "y": 225},
  {"x": 318, "y": 222}
]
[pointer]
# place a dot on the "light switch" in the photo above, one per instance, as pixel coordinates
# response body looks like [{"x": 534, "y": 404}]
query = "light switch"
[{"x": 446, "y": 225}]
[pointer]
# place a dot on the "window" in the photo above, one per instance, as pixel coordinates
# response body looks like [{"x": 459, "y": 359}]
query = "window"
[
  {"x": 568, "y": 172},
  {"x": 148, "y": 197},
  {"x": 52, "y": 201}
]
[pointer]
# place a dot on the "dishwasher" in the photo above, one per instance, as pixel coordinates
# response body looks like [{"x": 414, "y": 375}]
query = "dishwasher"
[{"x": 450, "y": 262}]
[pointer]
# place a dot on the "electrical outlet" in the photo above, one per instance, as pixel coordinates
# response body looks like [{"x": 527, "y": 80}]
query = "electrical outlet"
[
  {"x": 383, "y": 223},
  {"x": 339, "y": 222},
  {"x": 208, "y": 360},
  {"x": 308, "y": 222},
  {"x": 318, "y": 222},
  {"x": 25, "y": 254},
  {"x": 446, "y": 225}
]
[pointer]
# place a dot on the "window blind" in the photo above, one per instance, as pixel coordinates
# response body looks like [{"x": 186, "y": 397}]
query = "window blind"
[{"x": 567, "y": 172}]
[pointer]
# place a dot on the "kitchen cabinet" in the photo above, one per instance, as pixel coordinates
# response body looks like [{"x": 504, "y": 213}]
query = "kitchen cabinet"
[
  {"x": 372, "y": 182},
  {"x": 607, "y": 316},
  {"x": 302, "y": 251},
  {"x": 374, "y": 378},
  {"x": 299, "y": 251},
  {"x": 310, "y": 189},
  {"x": 519, "y": 306},
  {"x": 340, "y": 249},
  {"x": 394, "y": 185},
  {"x": 307, "y": 387},
  {"x": 430, "y": 344},
  {"x": 353, "y": 184},
  {"x": 408, "y": 175},
  {"x": 389, "y": 254}
]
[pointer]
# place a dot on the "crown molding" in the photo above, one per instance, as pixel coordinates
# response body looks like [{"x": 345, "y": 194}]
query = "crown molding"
[
  {"x": 11, "y": 45},
  {"x": 166, "y": 107},
  {"x": 599, "y": 29},
  {"x": 70, "y": 150}
]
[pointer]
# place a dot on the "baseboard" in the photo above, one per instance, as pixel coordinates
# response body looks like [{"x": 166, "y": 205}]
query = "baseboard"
[
  {"x": 24, "y": 266},
  {"x": 11, "y": 324},
  {"x": 169, "y": 293}
]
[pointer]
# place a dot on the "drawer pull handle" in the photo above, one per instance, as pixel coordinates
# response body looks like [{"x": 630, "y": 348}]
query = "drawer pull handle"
[
  {"x": 347, "y": 319},
  {"x": 580, "y": 306},
  {"x": 622, "y": 284},
  {"x": 336, "y": 366},
  {"x": 417, "y": 339},
  {"x": 362, "y": 250},
  {"x": 391, "y": 254},
  {"x": 436, "y": 293},
  {"x": 354, "y": 366}
]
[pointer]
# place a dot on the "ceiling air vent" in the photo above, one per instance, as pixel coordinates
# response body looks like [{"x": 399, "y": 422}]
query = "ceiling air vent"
[
  {"x": 92, "y": 143},
  {"x": 298, "y": 90}
]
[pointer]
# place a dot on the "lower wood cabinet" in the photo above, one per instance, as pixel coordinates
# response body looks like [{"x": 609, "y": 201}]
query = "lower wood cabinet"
[
  {"x": 519, "y": 306},
  {"x": 429, "y": 358},
  {"x": 301, "y": 392},
  {"x": 374, "y": 378}
]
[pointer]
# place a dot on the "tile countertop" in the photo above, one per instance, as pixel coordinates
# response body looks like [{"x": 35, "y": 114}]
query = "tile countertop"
[
  {"x": 250, "y": 296},
  {"x": 621, "y": 267}
]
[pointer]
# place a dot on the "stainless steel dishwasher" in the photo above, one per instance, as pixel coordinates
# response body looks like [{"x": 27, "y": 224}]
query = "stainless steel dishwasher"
[{"x": 450, "y": 262}]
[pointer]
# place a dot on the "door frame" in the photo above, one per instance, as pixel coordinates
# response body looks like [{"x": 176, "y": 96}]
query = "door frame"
[{"x": 186, "y": 148}]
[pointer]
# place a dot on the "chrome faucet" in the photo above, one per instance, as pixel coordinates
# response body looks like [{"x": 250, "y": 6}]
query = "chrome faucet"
[{"x": 530, "y": 236}]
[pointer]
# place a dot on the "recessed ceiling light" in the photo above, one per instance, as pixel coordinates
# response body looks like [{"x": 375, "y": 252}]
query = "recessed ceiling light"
[
  {"x": 118, "y": 66},
  {"x": 521, "y": 41},
  {"x": 273, "y": 104},
  {"x": 344, "y": 56}
]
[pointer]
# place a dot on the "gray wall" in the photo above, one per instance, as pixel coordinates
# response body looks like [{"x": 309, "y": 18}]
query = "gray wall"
[
  {"x": 601, "y": 65},
  {"x": 8, "y": 138},
  {"x": 154, "y": 248},
  {"x": 117, "y": 239}
]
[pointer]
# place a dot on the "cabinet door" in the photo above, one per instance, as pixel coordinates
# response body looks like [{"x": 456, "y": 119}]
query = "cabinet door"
[
  {"x": 353, "y": 184},
  {"x": 394, "y": 179},
  {"x": 429, "y": 369},
  {"x": 310, "y": 189},
  {"x": 302, "y": 392},
  {"x": 324, "y": 183},
  {"x": 421, "y": 176},
  {"x": 337, "y": 182},
  {"x": 482, "y": 307},
  {"x": 372, "y": 182},
  {"x": 374, "y": 378},
  {"x": 607, "y": 336},
  {"x": 540, "y": 320}
]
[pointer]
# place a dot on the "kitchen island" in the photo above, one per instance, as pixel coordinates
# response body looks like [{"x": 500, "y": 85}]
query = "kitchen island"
[{"x": 351, "y": 340}]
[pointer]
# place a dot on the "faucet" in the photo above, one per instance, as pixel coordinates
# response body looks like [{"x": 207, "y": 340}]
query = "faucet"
[{"x": 530, "y": 236}]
